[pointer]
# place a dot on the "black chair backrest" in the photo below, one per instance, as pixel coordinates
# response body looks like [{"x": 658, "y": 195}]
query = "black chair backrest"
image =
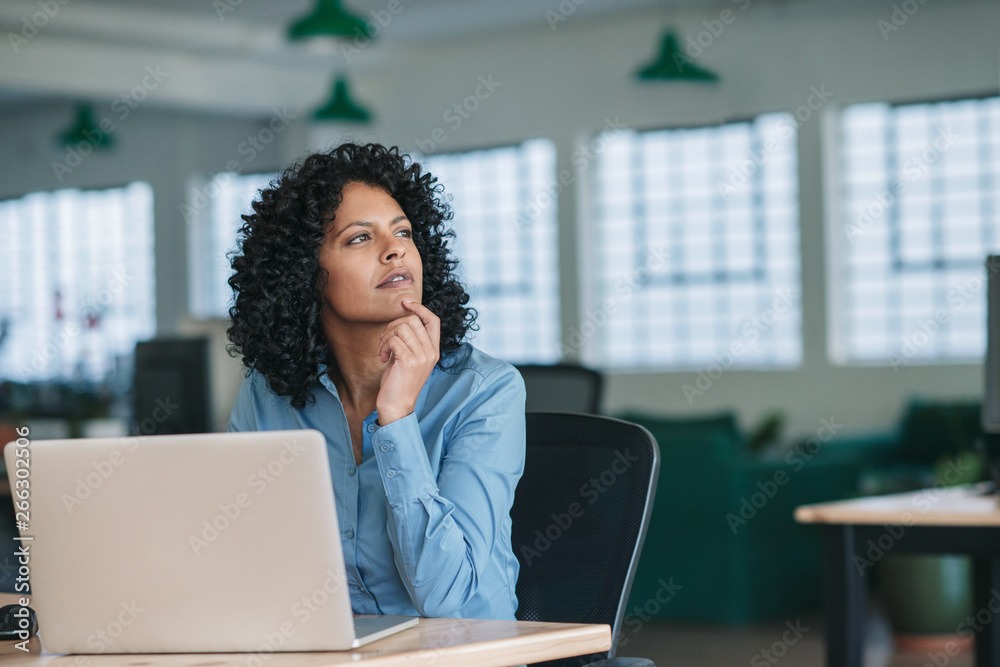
[
  {"x": 579, "y": 518},
  {"x": 562, "y": 388},
  {"x": 172, "y": 369}
]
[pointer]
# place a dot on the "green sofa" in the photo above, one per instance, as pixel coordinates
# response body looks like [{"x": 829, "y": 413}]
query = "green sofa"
[{"x": 722, "y": 538}]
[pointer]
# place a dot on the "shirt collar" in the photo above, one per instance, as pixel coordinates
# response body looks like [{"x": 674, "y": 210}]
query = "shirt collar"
[{"x": 326, "y": 381}]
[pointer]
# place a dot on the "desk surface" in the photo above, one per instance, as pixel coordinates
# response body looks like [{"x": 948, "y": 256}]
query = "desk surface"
[
  {"x": 442, "y": 642},
  {"x": 960, "y": 520},
  {"x": 955, "y": 506}
]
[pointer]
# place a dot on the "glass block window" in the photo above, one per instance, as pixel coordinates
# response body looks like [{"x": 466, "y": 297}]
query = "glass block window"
[
  {"x": 697, "y": 248},
  {"x": 78, "y": 287},
  {"x": 920, "y": 207},
  {"x": 504, "y": 202},
  {"x": 213, "y": 215}
]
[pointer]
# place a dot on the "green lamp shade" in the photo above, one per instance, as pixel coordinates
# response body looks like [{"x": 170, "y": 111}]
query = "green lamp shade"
[
  {"x": 672, "y": 65},
  {"x": 341, "y": 107},
  {"x": 85, "y": 130},
  {"x": 328, "y": 19}
]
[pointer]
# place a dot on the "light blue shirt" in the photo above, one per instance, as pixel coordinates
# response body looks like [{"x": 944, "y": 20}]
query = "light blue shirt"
[{"x": 425, "y": 518}]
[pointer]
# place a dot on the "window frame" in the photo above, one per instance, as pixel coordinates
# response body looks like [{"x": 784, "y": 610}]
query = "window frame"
[
  {"x": 203, "y": 231},
  {"x": 591, "y": 351},
  {"x": 841, "y": 221},
  {"x": 426, "y": 162},
  {"x": 114, "y": 282}
]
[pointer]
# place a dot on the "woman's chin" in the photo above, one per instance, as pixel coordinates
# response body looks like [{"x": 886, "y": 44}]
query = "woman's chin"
[
  {"x": 398, "y": 309},
  {"x": 406, "y": 295}
]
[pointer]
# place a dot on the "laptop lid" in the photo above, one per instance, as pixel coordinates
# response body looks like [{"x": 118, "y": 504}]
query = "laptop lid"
[{"x": 186, "y": 543}]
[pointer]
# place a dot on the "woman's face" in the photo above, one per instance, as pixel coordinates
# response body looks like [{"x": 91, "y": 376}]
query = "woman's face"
[{"x": 369, "y": 255}]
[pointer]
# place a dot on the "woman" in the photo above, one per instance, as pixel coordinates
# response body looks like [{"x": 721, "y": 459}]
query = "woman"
[{"x": 350, "y": 320}]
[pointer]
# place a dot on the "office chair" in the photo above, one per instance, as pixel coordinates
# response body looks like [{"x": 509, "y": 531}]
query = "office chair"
[
  {"x": 562, "y": 388},
  {"x": 579, "y": 519},
  {"x": 174, "y": 372}
]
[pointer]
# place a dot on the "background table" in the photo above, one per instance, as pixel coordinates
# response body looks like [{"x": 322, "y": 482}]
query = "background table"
[
  {"x": 442, "y": 642},
  {"x": 961, "y": 520}
]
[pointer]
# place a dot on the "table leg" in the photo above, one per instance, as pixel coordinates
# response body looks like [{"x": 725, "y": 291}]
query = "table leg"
[
  {"x": 846, "y": 598},
  {"x": 986, "y": 594}
]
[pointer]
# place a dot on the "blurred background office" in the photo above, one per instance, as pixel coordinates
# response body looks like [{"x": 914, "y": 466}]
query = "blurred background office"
[
  {"x": 728, "y": 244},
  {"x": 771, "y": 210}
]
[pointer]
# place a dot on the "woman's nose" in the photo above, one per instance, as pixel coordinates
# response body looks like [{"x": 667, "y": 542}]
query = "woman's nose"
[{"x": 394, "y": 249}]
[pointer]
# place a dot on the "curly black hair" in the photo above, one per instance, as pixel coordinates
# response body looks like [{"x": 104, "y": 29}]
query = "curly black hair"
[{"x": 278, "y": 282}]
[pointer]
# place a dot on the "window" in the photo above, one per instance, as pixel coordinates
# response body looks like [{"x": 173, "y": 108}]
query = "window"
[
  {"x": 78, "y": 289},
  {"x": 920, "y": 202},
  {"x": 213, "y": 216},
  {"x": 504, "y": 203},
  {"x": 697, "y": 248}
]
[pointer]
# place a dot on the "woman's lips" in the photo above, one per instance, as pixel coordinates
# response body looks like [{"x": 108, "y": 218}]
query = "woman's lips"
[
  {"x": 397, "y": 284},
  {"x": 396, "y": 277}
]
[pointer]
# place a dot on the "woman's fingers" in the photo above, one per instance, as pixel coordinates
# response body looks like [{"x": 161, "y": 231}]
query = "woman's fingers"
[
  {"x": 410, "y": 345},
  {"x": 427, "y": 317},
  {"x": 423, "y": 324},
  {"x": 406, "y": 346},
  {"x": 394, "y": 329},
  {"x": 425, "y": 314}
]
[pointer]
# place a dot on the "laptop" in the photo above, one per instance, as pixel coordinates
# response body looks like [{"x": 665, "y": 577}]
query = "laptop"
[{"x": 224, "y": 542}]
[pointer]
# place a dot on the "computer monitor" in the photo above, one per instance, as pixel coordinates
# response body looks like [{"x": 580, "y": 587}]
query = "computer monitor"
[
  {"x": 990, "y": 412},
  {"x": 171, "y": 387},
  {"x": 991, "y": 395}
]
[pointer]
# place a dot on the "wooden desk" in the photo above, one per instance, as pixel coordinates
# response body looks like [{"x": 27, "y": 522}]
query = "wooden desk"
[
  {"x": 442, "y": 642},
  {"x": 857, "y": 533}
]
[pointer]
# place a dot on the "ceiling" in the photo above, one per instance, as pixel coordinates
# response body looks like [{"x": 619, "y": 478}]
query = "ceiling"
[
  {"x": 218, "y": 51},
  {"x": 415, "y": 20},
  {"x": 99, "y": 49}
]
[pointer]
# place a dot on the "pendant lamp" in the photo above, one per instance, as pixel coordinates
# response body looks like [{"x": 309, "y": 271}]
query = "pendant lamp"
[
  {"x": 673, "y": 65},
  {"x": 329, "y": 19},
  {"x": 341, "y": 107},
  {"x": 86, "y": 130}
]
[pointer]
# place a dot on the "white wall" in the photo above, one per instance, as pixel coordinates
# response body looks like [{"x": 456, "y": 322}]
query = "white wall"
[{"x": 566, "y": 84}]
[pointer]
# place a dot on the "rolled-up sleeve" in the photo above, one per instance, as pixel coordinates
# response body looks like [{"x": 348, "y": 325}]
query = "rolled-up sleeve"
[{"x": 444, "y": 528}]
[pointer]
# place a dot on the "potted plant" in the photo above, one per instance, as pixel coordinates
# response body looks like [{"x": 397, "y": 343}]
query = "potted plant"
[{"x": 927, "y": 597}]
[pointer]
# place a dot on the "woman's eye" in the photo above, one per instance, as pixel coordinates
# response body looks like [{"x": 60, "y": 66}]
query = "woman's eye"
[
  {"x": 408, "y": 233},
  {"x": 359, "y": 237}
]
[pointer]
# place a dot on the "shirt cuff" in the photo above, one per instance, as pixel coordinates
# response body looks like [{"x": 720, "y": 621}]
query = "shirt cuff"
[{"x": 402, "y": 460}]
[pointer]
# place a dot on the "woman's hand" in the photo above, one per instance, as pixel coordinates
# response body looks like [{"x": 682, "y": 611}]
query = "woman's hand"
[{"x": 411, "y": 347}]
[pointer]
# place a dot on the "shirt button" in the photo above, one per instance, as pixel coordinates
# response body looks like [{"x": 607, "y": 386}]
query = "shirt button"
[
  {"x": 390, "y": 474},
  {"x": 371, "y": 428},
  {"x": 352, "y": 471},
  {"x": 386, "y": 448},
  {"x": 350, "y": 533}
]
